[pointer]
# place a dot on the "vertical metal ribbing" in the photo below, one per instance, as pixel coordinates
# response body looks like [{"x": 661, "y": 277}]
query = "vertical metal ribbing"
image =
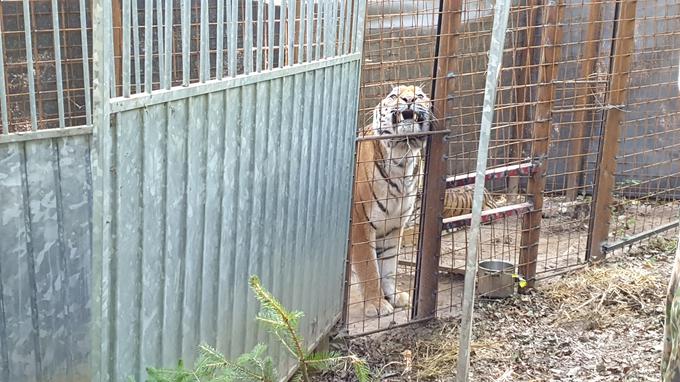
[
  {"x": 126, "y": 48},
  {"x": 57, "y": 63},
  {"x": 3, "y": 94},
  {"x": 148, "y": 46},
  {"x": 219, "y": 54},
  {"x": 168, "y": 44},
  {"x": 29, "y": 64},
  {"x": 86, "y": 62},
  {"x": 204, "y": 54},
  {"x": 186, "y": 39}
]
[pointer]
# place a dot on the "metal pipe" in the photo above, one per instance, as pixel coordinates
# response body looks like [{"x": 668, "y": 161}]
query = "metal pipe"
[
  {"x": 3, "y": 94},
  {"x": 500, "y": 22},
  {"x": 204, "y": 60},
  {"x": 86, "y": 62},
  {"x": 57, "y": 62},
  {"x": 29, "y": 64},
  {"x": 607, "y": 248},
  {"x": 148, "y": 46}
]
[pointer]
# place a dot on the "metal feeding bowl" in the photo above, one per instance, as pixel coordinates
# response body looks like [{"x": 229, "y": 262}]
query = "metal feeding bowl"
[{"x": 495, "y": 279}]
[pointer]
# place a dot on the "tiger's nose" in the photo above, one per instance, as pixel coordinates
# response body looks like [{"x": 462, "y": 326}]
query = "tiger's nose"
[
  {"x": 407, "y": 114},
  {"x": 408, "y": 100}
]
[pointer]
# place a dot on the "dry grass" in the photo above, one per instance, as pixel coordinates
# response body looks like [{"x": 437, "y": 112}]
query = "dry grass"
[
  {"x": 599, "y": 294},
  {"x": 602, "y": 323}
]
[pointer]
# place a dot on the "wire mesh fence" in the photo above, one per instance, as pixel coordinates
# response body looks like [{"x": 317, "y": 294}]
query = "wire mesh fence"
[
  {"x": 548, "y": 143},
  {"x": 46, "y": 50},
  {"x": 546, "y": 154},
  {"x": 647, "y": 170}
]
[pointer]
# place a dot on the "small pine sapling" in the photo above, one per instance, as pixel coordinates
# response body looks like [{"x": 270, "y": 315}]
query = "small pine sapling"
[{"x": 255, "y": 366}]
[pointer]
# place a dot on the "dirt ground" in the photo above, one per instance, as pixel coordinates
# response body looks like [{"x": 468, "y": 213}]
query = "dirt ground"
[{"x": 602, "y": 323}]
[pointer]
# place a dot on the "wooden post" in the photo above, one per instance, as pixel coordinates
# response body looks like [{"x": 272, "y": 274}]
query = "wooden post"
[
  {"x": 624, "y": 46},
  {"x": 525, "y": 58},
  {"x": 116, "y": 13},
  {"x": 531, "y": 222},
  {"x": 425, "y": 300},
  {"x": 591, "y": 49}
]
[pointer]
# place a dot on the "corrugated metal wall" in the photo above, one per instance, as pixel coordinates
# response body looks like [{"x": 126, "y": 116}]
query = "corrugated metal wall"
[
  {"x": 217, "y": 181},
  {"x": 208, "y": 190},
  {"x": 45, "y": 236}
]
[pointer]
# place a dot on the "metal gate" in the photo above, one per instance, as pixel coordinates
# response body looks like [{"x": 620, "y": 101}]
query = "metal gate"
[{"x": 223, "y": 148}]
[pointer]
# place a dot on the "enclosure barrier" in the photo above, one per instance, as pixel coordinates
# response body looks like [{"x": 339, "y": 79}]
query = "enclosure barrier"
[
  {"x": 567, "y": 89},
  {"x": 216, "y": 124},
  {"x": 596, "y": 140}
]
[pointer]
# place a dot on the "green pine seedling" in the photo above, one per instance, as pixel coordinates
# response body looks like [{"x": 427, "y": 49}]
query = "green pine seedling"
[{"x": 256, "y": 366}]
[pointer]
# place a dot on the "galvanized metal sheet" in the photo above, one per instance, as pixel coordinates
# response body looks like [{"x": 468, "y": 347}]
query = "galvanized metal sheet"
[
  {"x": 45, "y": 225},
  {"x": 206, "y": 191}
]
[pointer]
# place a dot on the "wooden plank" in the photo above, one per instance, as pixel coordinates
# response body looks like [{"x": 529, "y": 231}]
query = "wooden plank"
[
  {"x": 425, "y": 299},
  {"x": 531, "y": 222},
  {"x": 624, "y": 47}
]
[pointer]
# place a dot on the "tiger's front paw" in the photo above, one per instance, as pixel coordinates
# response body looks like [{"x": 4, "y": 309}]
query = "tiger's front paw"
[
  {"x": 400, "y": 299},
  {"x": 381, "y": 308}
]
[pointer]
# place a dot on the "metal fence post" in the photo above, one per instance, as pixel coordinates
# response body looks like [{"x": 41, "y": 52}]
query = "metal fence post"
[
  {"x": 622, "y": 53},
  {"x": 584, "y": 95},
  {"x": 531, "y": 222},
  {"x": 427, "y": 268},
  {"x": 101, "y": 166},
  {"x": 498, "y": 34}
]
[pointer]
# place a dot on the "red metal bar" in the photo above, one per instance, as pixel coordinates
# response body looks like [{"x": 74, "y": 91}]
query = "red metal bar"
[
  {"x": 525, "y": 169},
  {"x": 488, "y": 215}
]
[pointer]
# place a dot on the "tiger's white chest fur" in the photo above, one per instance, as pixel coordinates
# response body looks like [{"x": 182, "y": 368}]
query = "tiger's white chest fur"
[{"x": 395, "y": 191}]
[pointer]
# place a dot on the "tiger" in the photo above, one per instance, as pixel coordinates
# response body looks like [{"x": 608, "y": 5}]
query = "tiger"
[
  {"x": 385, "y": 190},
  {"x": 457, "y": 201}
]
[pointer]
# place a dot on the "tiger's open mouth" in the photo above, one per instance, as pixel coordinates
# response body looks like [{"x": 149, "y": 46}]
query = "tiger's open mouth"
[{"x": 407, "y": 115}]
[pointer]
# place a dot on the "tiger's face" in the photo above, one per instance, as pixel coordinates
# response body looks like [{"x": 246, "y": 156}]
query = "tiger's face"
[{"x": 406, "y": 109}]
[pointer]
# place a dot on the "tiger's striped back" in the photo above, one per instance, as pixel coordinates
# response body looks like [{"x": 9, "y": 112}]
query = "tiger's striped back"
[{"x": 458, "y": 201}]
